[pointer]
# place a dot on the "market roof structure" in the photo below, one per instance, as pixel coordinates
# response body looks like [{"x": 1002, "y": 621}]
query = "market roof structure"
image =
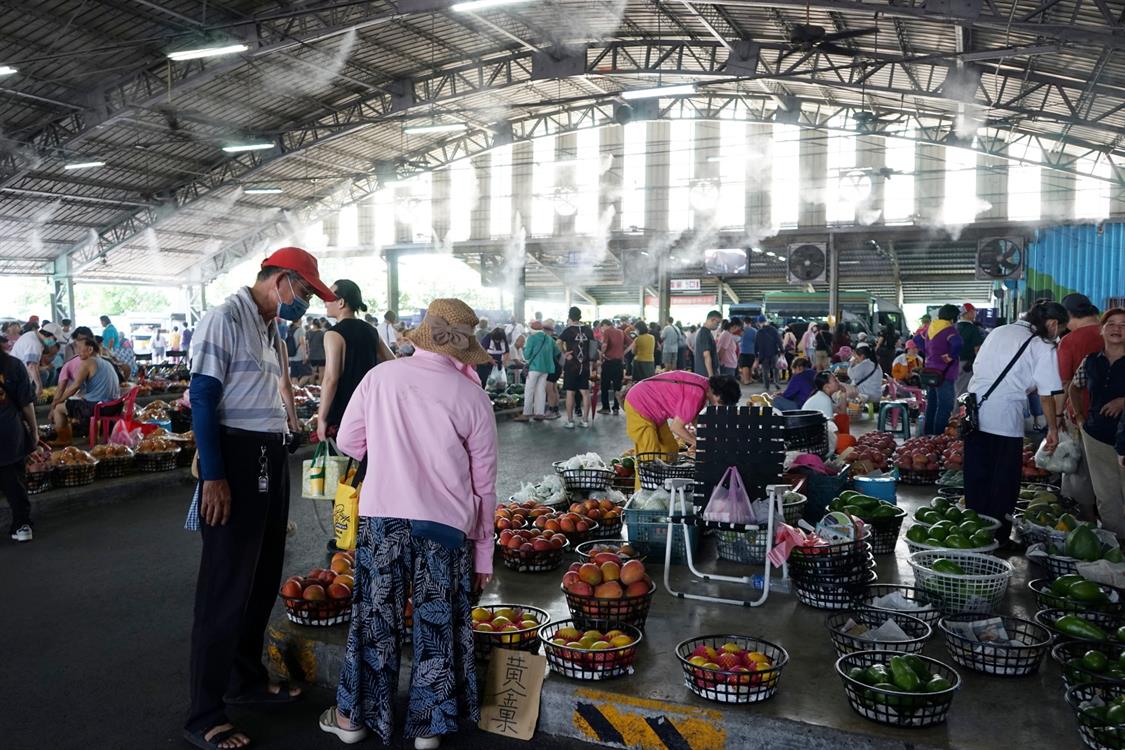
[{"x": 327, "y": 90}]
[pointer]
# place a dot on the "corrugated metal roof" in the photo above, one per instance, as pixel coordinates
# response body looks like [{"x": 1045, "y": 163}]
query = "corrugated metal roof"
[{"x": 1084, "y": 258}]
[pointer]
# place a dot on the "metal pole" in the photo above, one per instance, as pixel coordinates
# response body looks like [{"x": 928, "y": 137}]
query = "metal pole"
[
  {"x": 392, "y": 281},
  {"x": 833, "y": 282},
  {"x": 642, "y": 301},
  {"x": 664, "y": 296},
  {"x": 720, "y": 285}
]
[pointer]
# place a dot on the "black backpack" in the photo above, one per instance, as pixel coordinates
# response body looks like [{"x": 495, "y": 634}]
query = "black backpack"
[{"x": 290, "y": 342}]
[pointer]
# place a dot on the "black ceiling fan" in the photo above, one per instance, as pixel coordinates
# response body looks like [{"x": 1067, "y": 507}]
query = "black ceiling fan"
[{"x": 807, "y": 37}]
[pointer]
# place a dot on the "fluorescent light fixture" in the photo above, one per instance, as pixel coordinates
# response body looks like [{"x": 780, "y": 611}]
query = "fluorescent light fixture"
[
  {"x": 755, "y": 249},
  {"x": 681, "y": 90},
  {"x": 84, "y": 164},
  {"x": 201, "y": 52},
  {"x": 472, "y": 5},
  {"x": 238, "y": 148},
  {"x": 262, "y": 190},
  {"x": 7, "y": 70},
  {"x": 771, "y": 253},
  {"x": 453, "y": 127}
]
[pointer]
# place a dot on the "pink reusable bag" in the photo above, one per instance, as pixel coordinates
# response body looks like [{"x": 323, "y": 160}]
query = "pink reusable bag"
[{"x": 729, "y": 502}]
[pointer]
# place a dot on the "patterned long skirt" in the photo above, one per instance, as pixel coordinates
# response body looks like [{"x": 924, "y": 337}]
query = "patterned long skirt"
[{"x": 443, "y": 684}]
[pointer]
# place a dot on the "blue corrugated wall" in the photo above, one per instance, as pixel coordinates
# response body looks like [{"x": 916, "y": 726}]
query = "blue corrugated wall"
[{"x": 1078, "y": 258}]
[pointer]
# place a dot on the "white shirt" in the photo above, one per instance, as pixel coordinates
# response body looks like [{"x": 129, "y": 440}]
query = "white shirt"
[
  {"x": 28, "y": 348},
  {"x": 387, "y": 333},
  {"x": 1002, "y": 413},
  {"x": 821, "y": 402},
  {"x": 872, "y": 386}
]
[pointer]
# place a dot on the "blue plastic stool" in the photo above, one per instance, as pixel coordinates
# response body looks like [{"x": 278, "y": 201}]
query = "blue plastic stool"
[{"x": 886, "y": 409}]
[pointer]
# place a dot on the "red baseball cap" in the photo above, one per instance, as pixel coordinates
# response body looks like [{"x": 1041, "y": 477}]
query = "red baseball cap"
[
  {"x": 301, "y": 261},
  {"x": 968, "y": 307}
]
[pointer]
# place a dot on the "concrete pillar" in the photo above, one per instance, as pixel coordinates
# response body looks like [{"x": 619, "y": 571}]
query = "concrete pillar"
[
  {"x": 663, "y": 293},
  {"x": 519, "y": 291},
  {"x": 613, "y": 152},
  {"x": 870, "y": 154},
  {"x": 441, "y": 207},
  {"x": 833, "y": 280},
  {"x": 365, "y": 222},
  {"x": 566, "y": 150},
  {"x": 404, "y": 228},
  {"x": 929, "y": 181},
  {"x": 758, "y": 175},
  {"x": 707, "y": 135},
  {"x": 62, "y": 290},
  {"x": 523, "y": 161},
  {"x": 480, "y": 222},
  {"x": 332, "y": 229},
  {"x": 1117, "y": 193},
  {"x": 656, "y": 176},
  {"x": 392, "y": 280},
  {"x": 992, "y": 183},
  {"x": 814, "y": 175},
  {"x": 1057, "y": 195}
]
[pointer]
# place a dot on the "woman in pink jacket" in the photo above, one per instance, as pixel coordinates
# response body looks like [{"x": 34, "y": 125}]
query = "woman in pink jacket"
[{"x": 426, "y": 514}]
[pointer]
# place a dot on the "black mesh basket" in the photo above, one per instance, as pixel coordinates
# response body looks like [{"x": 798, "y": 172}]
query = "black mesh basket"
[
  {"x": 1074, "y": 671},
  {"x": 593, "y": 532},
  {"x": 1104, "y": 620},
  {"x": 824, "y": 594},
  {"x": 738, "y": 684},
  {"x": 37, "y": 481},
  {"x": 894, "y": 707},
  {"x": 112, "y": 467},
  {"x": 1047, "y": 599},
  {"x": 586, "y": 550},
  {"x": 520, "y": 639},
  {"x": 885, "y": 531},
  {"x": 585, "y": 480},
  {"x": 154, "y": 462},
  {"x": 585, "y": 663},
  {"x": 533, "y": 561},
  {"x": 806, "y": 431},
  {"x": 1096, "y": 731},
  {"x": 917, "y": 631},
  {"x": 592, "y": 612},
  {"x": 928, "y": 612},
  {"x": 606, "y": 527},
  {"x": 999, "y": 659},
  {"x": 918, "y": 476},
  {"x": 831, "y": 559},
  {"x": 854, "y": 573},
  {"x": 655, "y": 468},
  {"x": 73, "y": 475},
  {"x": 323, "y": 613},
  {"x": 745, "y": 547}
]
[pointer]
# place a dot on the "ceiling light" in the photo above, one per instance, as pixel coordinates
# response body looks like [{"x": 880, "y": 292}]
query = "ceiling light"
[
  {"x": 771, "y": 253},
  {"x": 84, "y": 164},
  {"x": 471, "y": 5},
  {"x": 201, "y": 52},
  {"x": 453, "y": 127},
  {"x": 755, "y": 249},
  {"x": 238, "y": 148},
  {"x": 262, "y": 190},
  {"x": 7, "y": 70},
  {"x": 684, "y": 89}
]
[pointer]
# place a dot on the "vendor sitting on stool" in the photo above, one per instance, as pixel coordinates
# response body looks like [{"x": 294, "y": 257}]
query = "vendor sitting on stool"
[
  {"x": 658, "y": 409},
  {"x": 800, "y": 386}
]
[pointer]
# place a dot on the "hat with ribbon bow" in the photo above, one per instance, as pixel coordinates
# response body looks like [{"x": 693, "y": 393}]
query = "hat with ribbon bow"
[{"x": 448, "y": 329}]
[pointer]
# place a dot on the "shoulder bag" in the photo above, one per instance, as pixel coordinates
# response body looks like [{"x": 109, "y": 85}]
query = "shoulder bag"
[{"x": 970, "y": 420}]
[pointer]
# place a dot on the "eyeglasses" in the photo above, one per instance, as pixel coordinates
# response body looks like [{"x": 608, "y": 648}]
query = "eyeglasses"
[
  {"x": 1113, "y": 325},
  {"x": 300, "y": 289}
]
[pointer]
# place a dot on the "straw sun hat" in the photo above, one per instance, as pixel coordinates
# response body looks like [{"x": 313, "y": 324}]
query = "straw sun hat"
[{"x": 448, "y": 329}]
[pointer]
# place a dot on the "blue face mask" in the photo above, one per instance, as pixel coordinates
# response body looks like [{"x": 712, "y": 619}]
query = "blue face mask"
[
  {"x": 292, "y": 311},
  {"x": 48, "y": 342}
]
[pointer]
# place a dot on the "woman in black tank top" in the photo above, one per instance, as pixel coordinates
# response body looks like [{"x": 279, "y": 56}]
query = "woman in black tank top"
[{"x": 351, "y": 348}]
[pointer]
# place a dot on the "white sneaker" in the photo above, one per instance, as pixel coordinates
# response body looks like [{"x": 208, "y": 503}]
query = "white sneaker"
[
  {"x": 583, "y": 424},
  {"x": 427, "y": 743},
  {"x": 567, "y": 425},
  {"x": 330, "y": 724},
  {"x": 22, "y": 534}
]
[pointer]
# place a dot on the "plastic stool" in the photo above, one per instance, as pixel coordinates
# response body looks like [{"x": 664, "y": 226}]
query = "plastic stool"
[{"x": 893, "y": 410}]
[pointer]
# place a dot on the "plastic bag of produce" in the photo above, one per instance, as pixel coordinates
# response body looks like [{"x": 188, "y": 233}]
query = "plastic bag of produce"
[
  {"x": 729, "y": 502},
  {"x": 122, "y": 435},
  {"x": 1065, "y": 457}
]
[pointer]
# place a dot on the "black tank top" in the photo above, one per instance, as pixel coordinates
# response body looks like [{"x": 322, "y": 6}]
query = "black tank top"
[{"x": 361, "y": 349}]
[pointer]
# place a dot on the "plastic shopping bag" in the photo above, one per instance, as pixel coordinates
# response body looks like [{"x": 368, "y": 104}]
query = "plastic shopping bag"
[
  {"x": 122, "y": 435},
  {"x": 1064, "y": 459},
  {"x": 345, "y": 510},
  {"x": 313, "y": 472},
  {"x": 729, "y": 502},
  {"x": 497, "y": 379}
]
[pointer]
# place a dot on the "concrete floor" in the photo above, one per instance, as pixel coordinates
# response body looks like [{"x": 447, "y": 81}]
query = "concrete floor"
[{"x": 94, "y": 650}]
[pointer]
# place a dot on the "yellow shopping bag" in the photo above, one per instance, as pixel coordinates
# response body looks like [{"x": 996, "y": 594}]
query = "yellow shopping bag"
[
  {"x": 314, "y": 471},
  {"x": 345, "y": 510}
]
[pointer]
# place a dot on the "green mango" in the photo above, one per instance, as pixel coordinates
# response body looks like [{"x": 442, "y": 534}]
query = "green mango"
[
  {"x": 945, "y": 565},
  {"x": 1115, "y": 714},
  {"x": 937, "y": 683},
  {"x": 1094, "y": 661},
  {"x": 938, "y": 533},
  {"x": 1113, "y": 555},
  {"x": 1087, "y": 591},
  {"x": 1062, "y": 584},
  {"x": 1076, "y": 627},
  {"x": 982, "y": 538},
  {"x": 884, "y": 510},
  {"x": 956, "y": 541},
  {"x": 953, "y": 514},
  {"x": 859, "y": 674},
  {"x": 903, "y": 676},
  {"x": 968, "y": 528},
  {"x": 917, "y": 534},
  {"x": 941, "y": 503},
  {"x": 971, "y": 515},
  {"x": 1083, "y": 544},
  {"x": 918, "y": 666}
]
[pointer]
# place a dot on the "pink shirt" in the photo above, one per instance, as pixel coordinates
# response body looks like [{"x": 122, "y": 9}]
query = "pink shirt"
[
  {"x": 668, "y": 395},
  {"x": 69, "y": 371},
  {"x": 431, "y": 428},
  {"x": 728, "y": 349}
]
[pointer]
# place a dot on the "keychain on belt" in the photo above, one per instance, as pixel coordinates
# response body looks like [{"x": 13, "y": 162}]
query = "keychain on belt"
[{"x": 264, "y": 472}]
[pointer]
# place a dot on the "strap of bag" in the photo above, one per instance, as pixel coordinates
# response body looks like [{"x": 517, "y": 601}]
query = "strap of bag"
[
  {"x": 680, "y": 382},
  {"x": 1006, "y": 370},
  {"x": 867, "y": 377}
]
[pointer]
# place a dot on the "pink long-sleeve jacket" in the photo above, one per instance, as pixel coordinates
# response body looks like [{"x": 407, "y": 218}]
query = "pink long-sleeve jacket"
[{"x": 432, "y": 436}]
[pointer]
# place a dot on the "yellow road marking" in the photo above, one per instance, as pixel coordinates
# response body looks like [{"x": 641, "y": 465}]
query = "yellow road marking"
[{"x": 700, "y": 727}]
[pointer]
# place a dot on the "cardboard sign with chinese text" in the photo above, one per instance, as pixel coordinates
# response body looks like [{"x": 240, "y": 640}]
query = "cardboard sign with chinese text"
[{"x": 510, "y": 703}]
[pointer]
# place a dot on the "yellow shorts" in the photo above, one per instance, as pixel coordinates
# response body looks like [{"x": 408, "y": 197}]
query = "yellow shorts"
[{"x": 648, "y": 437}]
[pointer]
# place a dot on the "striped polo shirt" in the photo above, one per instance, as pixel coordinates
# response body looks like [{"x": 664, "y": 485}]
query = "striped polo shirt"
[{"x": 236, "y": 347}]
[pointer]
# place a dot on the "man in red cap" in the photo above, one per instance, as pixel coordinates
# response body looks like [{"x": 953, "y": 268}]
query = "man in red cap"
[
  {"x": 242, "y": 414},
  {"x": 971, "y": 339}
]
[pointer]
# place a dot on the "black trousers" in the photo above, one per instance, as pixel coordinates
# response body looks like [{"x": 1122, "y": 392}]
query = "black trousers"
[
  {"x": 14, "y": 487},
  {"x": 613, "y": 376},
  {"x": 993, "y": 470},
  {"x": 239, "y": 576}
]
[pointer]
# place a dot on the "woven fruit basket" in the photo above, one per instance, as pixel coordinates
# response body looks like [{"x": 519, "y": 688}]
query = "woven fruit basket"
[
  {"x": 594, "y": 612},
  {"x": 1021, "y": 656},
  {"x": 793, "y": 509},
  {"x": 593, "y": 660},
  {"x": 885, "y": 531},
  {"x": 978, "y": 589},
  {"x": 896, "y": 707},
  {"x": 524, "y": 636},
  {"x": 533, "y": 561},
  {"x": 924, "y": 609},
  {"x": 1113, "y": 601},
  {"x": 827, "y": 593},
  {"x": 1097, "y": 729},
  {"x": 73, "y": 475},
  {"x": 1107, "y": 622},
  {"x": 917, "y": 632},
  {"x": 749, "y": 674},
  {"x": 318, "y": 614},
  {"x": 624, "y": 549},
  {"x": 114, "y": 466},
  {"x": 918, "y": 477},
  {"x": 1076, "y": 666},
  {"x": 914, "y": 546},
  {"x": 38, "y": 481},
  {"x": 745, "y": 547},
  {"x": 584, "y": 480},
  {"x": 156, "y": 461},
  {"x": 655, "y": 468}
]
